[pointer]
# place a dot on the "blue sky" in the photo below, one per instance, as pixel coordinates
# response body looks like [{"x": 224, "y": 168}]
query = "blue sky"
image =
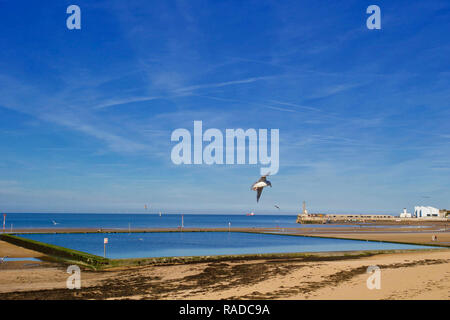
[{"x": 86, "y": 115}]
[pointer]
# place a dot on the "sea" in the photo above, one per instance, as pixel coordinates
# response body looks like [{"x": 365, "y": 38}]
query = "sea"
[
  {"x": 127, "y": 221},
  {"x": 153, "y": 220}
]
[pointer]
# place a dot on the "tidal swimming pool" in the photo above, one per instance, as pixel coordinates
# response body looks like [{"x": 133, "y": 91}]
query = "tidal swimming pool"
[{"x": 172, "y": 244}]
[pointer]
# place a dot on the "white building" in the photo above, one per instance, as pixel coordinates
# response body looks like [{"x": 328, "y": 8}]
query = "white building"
[
  {"x": 405, "y": 214},
  {"x": 426, "y": 212}
]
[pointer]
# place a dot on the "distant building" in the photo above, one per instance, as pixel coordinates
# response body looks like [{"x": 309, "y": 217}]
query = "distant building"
[
  {"x": 405, "y": 214},
  {"x": 427, "y": 212},
  {"x": 330, "y": 218}
]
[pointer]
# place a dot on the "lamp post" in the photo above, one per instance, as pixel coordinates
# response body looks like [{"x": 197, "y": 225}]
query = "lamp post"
[{"x": 105, "y": 241}]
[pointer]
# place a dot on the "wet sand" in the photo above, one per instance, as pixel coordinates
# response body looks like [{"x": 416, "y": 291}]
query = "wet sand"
[
  {"x": 443, "y": 239},
  {"x": 418, "y": 274},
  {"x": 12, "y": 251},
  {"x": 410, "y": 275}
]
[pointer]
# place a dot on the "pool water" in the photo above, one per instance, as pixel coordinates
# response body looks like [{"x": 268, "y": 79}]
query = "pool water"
[{"x": 170, "y": 244}]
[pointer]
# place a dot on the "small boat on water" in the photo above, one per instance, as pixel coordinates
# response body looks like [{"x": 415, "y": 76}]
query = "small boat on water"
[{"x": 250, "y": 214}]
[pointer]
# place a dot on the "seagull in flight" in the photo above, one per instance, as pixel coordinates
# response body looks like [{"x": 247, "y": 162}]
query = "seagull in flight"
[
  {"x": 259, "y": 185},
  {"x": 54, "y": 222},
  {"x": 276, "y": 206},
  {"x": 3, "y": 259}
]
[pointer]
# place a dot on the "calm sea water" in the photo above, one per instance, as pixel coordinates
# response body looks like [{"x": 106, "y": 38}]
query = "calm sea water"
[
  {"x": 122, "y": 221},
  {"x": 169, "y": 244}
]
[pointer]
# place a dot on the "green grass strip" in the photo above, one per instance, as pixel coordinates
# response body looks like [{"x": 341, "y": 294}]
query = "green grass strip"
[{"x": 57, "y": 251}]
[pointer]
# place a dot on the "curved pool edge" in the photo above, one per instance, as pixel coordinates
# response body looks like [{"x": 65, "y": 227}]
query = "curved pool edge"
[
  {"x": 61, "y": 253},
  {"x": 297, "y": 256}
]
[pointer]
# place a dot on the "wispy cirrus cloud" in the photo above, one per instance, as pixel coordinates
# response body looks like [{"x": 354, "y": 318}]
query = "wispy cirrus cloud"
[
  {"x": 297, "y": 106},
  {"x": 223, "y": 84},
  {"x": 333, "y": 89},
  {"x": 115, "y": 142},
  {"x": 119, "y": 102},
  {"x": 55, "y": 110}
]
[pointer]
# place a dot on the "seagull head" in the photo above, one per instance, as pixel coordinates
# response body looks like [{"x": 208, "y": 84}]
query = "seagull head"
[{"x": 269, "y": 183}]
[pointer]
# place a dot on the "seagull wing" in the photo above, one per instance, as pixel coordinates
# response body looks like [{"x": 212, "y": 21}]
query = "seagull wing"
[{"x": 258, "y": 193}]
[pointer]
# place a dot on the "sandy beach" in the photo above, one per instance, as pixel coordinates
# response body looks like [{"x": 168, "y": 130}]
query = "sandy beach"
[{"x": 409, "y": 274}]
